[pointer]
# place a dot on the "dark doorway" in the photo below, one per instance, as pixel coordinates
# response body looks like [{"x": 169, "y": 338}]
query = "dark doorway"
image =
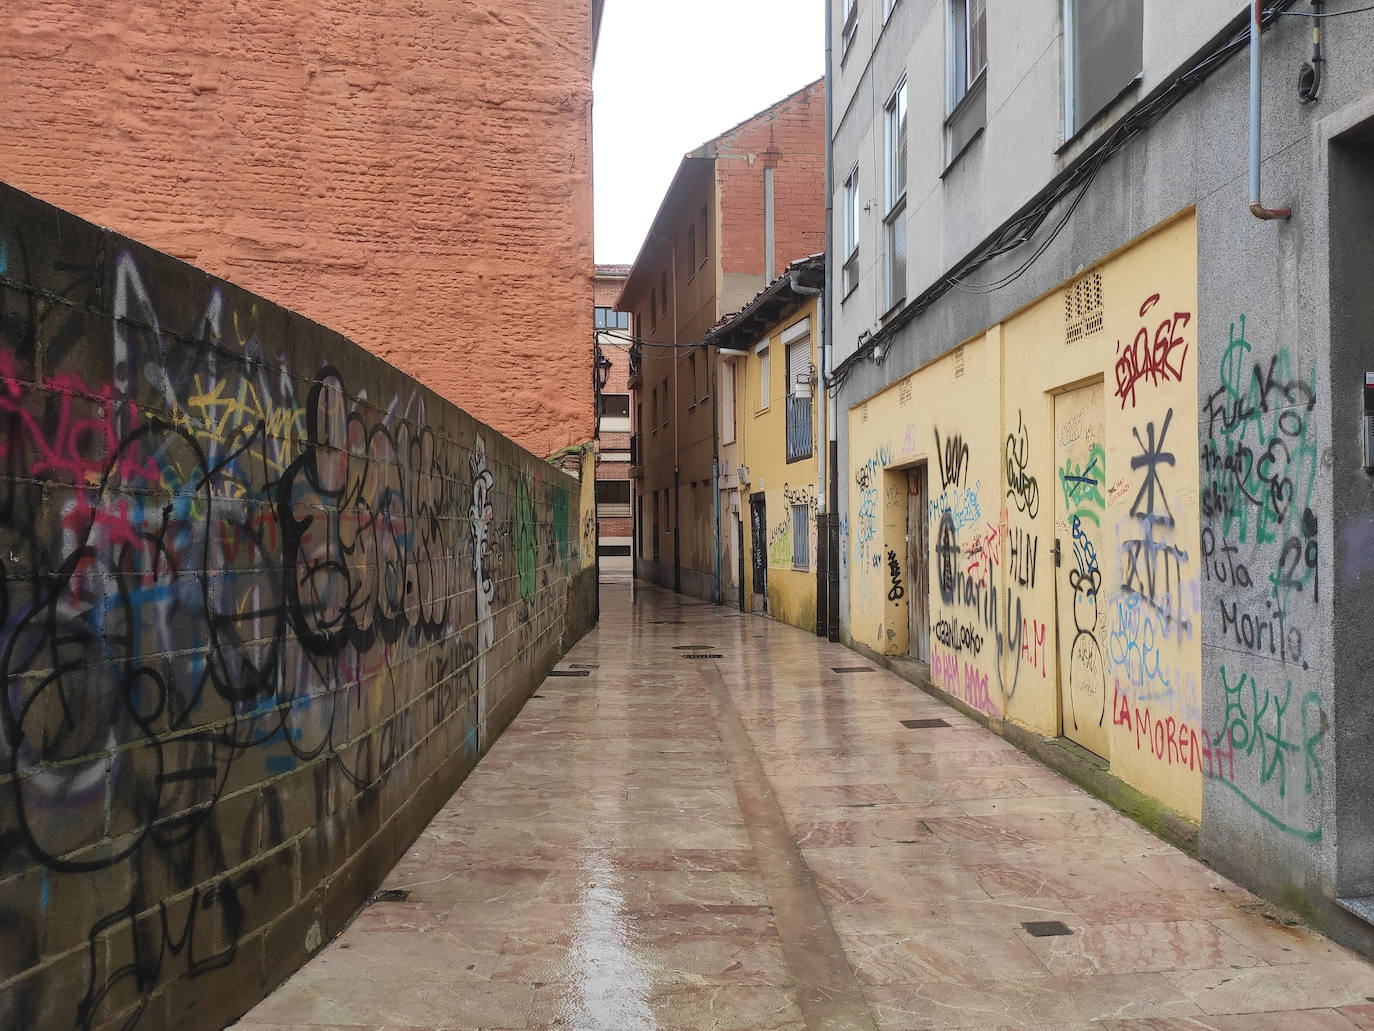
[{"x": 758, "y": 526}]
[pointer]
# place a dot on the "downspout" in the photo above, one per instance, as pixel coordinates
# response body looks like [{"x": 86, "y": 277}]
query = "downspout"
[
  {"x": 828, "y": 506},
  {"x": 1256, "y": 32},
  {"x": 712, "y": 366},
  {"x": 822, "y": 534}
]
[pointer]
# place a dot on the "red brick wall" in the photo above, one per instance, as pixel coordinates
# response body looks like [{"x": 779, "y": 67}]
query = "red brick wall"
[
  {"x": 415, "y": 175},
  {"x": 790, "y": 138}
]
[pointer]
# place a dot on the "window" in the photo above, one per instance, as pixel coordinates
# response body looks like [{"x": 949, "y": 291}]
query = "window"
[
  {"x": 613, "y": 492},
  {"x": 692, "y": 378},
  {"x": 851, "y": 231},
  {"x": 1103, "y": 54},
  {"x": 653, "y": 407},
  {"x": 705, "y": 234},
  {"x": 654, "y": 538},
  {"x": 727, "y": 402},
  {"x": 764, "y": 373},
  {"x": 887, "y": 9},
  {"x": 665, "y": 401},
  {"x": 797, "y": 341},
  {"x": 663, "y": 291},
  {"x": 801, "y": 537},
  {"x": 653, "y": 309},
  {"x": 851, "y": 24},
  {"x": 615, "y": 406},
  {"x": 967, "y": 49},
  {"x": 691, "y": 251},
  {"x": 894, "y": 222},
  {"x": 609, "y": 318}
]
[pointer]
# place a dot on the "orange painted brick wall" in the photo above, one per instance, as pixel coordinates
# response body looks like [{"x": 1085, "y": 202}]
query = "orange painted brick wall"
[
  {"x": 791, "y": 139},
  {"x": 415, "y": 175}
]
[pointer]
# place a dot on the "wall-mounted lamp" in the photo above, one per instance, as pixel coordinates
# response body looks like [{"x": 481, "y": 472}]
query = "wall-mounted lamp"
[{"x": 732, "y": 352}]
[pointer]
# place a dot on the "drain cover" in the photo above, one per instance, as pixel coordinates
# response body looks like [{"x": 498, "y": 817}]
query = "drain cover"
[
  {"x": 923, "y": 724},
  {"x": 703, "y": 655},
  {"x": 584, "y": 665},
  {"x": 1046, "y": 928},
  {"x": 852, "y": 669},
  {"x": 391, "y": 895},
  {"x": 690, "y": 647},
  {"x": 570, "y": 673}
]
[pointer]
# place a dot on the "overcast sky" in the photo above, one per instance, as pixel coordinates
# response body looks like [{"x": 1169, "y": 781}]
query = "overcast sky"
[{"x": 669, "y": 77}]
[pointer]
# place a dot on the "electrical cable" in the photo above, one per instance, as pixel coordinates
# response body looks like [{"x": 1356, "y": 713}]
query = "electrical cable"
[
  {"x": 1024, "y": 225},
  {"x": 1329, "y": 14}
]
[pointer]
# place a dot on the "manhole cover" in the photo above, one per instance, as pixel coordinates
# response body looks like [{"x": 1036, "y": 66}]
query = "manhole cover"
[
  {"x": 1046, "y": 928},
  {"x": 923, "y": 724},
  {"x": 703, "y": 655},
  {"x": 570, "y": 673},
  {"x": 852, "y": 669}
]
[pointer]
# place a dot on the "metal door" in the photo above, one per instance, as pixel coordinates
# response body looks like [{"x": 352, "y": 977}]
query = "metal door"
[
  {"x": 1080, "y": 458},
  {"x": 918, "y": 566},
  {"x": 758, "y": 524}
]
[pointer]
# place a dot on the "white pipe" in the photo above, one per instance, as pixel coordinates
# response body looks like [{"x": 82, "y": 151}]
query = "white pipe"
[{"x": 1256, "y": 33}]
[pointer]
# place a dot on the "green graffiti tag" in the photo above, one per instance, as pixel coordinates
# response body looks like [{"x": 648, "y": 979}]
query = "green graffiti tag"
[
  {"x": 525, "y": 540},
  {"x": 1082, "y": 487}
]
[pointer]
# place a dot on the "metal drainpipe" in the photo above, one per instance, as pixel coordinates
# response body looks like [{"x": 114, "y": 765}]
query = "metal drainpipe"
[
  {"x": 714, "y": 387},
  {"x": 823, "y": 491},
  {"x": 1256, "y": 33}
]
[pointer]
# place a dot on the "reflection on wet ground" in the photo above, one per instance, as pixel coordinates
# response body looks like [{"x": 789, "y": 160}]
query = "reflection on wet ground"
[{"x": 758, "y": 842}]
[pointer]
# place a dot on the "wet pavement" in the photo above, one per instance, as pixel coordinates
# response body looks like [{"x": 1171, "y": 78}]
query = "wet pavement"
[{"x": 758, "y": 842}]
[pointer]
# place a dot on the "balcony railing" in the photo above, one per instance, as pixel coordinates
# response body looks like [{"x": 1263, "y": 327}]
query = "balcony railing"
[
  {"x": 636, "y": 458},
  {"x": 799, "y": 422},
  {"x": 636, "y": 375}
]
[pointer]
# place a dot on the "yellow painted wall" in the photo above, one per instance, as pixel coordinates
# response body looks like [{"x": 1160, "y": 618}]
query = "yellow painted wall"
[
  {"x": 762, "y": 442},
  {"x": 999, "y": 500}
]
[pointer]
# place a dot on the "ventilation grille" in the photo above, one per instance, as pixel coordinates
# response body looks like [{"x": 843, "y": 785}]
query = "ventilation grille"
[
  {"x": 923, "y": 724},
  {"x": 703, "y": 655},
  {"x": 959, "y": 362},
  {"x": 904, "y": 392},
  {"x": 852, "y": 669},
  {"x": 1083, "y": 308},
  {"x": 863, "y": 413}
]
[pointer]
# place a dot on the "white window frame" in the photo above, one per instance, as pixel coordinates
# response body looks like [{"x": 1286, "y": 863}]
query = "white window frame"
[
  {"x": 960, "y": 76},
  {"x": 851, "y": 233},
  {"x": 888, "y": 5},
  {"x": 850, "y": 27},
  {"x": 765, "y": 376},
  {"x": 1070, "y": 72},
  {"x": 895, "y": 114}
]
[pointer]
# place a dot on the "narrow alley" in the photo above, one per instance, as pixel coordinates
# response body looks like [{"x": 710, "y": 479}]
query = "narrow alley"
[{"x": 711, "y": 820}]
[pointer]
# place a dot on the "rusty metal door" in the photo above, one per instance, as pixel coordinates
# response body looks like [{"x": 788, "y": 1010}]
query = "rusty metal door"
[{"x": 1080, "y": 461}]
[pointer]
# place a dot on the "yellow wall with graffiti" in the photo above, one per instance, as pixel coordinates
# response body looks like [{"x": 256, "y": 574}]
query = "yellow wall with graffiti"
[
  {"x": 1073, "y": 423},
  {"x": 761, "y": 432}
]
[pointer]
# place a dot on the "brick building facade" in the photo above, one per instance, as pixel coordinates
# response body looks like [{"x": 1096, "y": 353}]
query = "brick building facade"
[
  {"x": 740, "y": 208},
  {"x": 412, "y": 175},
  {"x": 615, "y": 527}
]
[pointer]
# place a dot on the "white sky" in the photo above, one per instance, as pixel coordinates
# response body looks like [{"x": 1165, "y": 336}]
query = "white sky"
[{"x": 670, "y": 76}]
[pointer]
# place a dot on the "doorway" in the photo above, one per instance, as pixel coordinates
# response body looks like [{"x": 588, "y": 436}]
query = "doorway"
[
  {"x": 1080, "y": 507},
  {"x": 758, "y": 527},
  {"x": 918, "y": 565}
]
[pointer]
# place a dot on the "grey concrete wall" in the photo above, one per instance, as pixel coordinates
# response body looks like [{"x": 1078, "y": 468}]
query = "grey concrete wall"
[
  {"x": 264, "y": 602},
  {"x": 1285, "y": 508}
]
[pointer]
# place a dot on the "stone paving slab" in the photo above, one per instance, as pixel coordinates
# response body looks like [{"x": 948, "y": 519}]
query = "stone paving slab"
[{"x": 759, "y": 843}]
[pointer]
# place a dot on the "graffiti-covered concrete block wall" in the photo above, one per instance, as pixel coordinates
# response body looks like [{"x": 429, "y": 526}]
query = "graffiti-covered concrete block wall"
[{"x": 264, "y": 601}]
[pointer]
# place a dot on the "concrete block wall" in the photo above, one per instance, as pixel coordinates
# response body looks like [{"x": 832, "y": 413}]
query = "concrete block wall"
[{"x": 264, "y": 601}]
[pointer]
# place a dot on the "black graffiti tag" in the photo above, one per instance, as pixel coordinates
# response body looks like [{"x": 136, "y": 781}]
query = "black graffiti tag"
[{"x": 1021, "y": 486}]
